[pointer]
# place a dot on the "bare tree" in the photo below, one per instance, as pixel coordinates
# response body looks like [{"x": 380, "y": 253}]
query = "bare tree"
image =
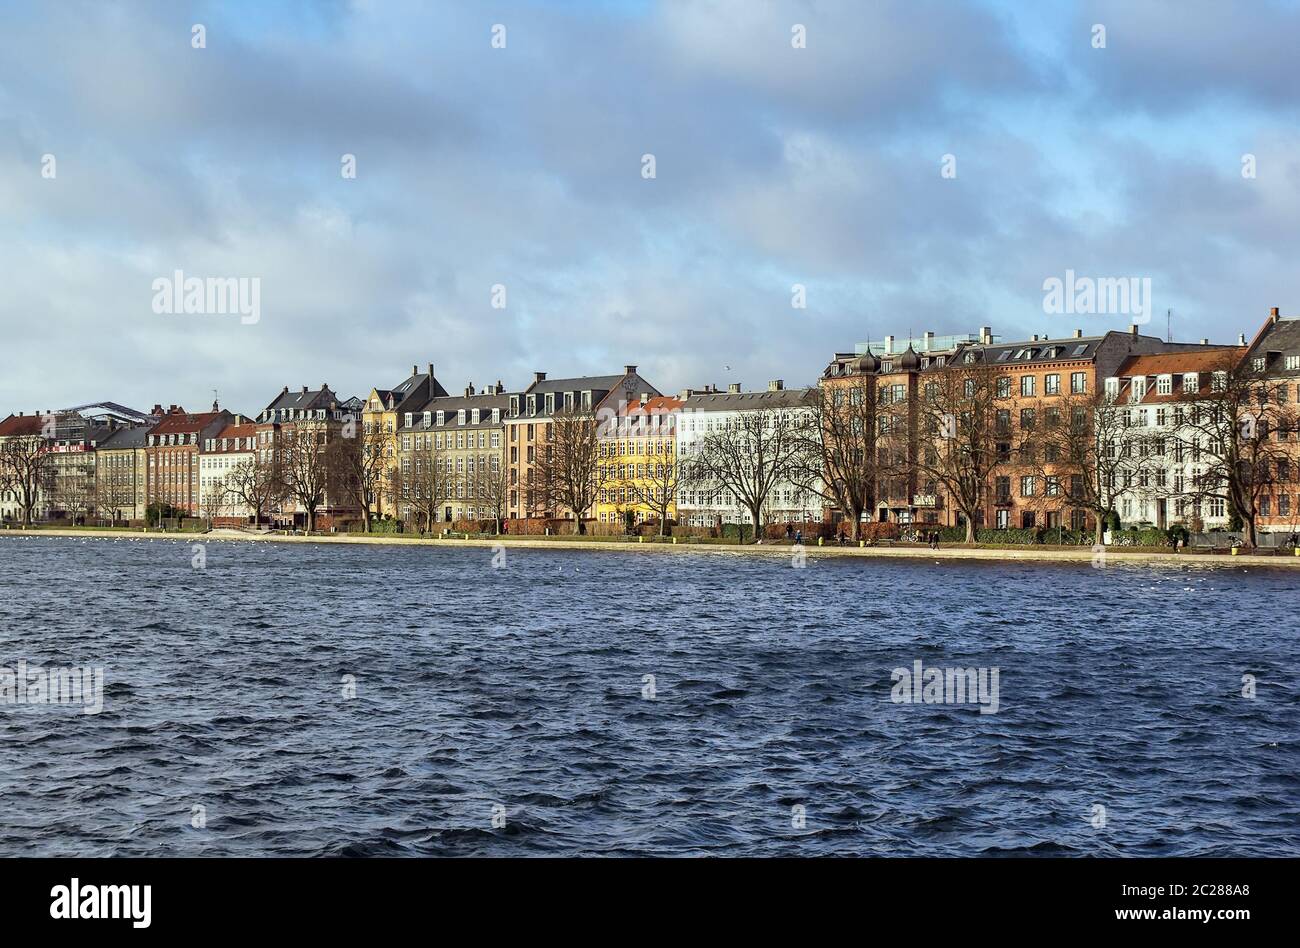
[
  {"x": 359, "y": 469},
  {"x": 305, "y": 467},
  {"x": 753, "y": 452},
  {"x": 837, "y": 460},
  {"x": 958, "y": 432},
  {"x": 212, "y": 501},
  {"x": 26, "y": 468},
  {"x": 1233, "y": 429},
  {"x": 256, "y": 483},
  {"x": 654, "y": 486},
  {"x": 115, "y": 487},
  {"x": 423, "y": 482},
  {"x": 566, "y": 470},
  {"x": 1088, "y": 453},
  {"x": 491, "y": 489},
  {"x": 72, "y": 484}
]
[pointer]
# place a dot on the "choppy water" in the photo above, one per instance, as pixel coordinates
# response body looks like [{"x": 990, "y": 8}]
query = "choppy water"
[{"x": 522, "y": 688}]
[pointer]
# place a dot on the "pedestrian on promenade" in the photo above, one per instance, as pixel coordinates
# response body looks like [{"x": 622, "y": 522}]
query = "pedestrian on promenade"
[{"x": 798, "y": 538}]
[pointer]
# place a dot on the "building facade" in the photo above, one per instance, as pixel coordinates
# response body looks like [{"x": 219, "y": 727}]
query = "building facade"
[
  {"x": 705, "y": 503},
  {"x": 121, "y": 474},
  {"x": 172, "y": 456},
  {"x": 528, "y": 424},
  {"x": 451, "y": 450},
  {"x": 381, "y": 416},
  {"x": 638, "y": 474},
  {"x": 232, "y": 446}
]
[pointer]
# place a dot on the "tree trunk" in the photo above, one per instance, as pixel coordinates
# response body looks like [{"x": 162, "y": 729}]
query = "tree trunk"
[
  {"x": 1097, "y": 529},
  {"x": 970, "y": 528},
  {"x": 757, "y": 515}
]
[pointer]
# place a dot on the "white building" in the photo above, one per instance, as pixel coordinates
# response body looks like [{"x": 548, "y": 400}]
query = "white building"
[
  {"x": 704, "y": 504},
  {"x": 218, "y": 456},
  {"x": 1157, "y": 394}
]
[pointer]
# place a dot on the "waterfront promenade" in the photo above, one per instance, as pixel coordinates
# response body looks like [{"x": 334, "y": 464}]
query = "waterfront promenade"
[{"x": 1082, "y": 554}]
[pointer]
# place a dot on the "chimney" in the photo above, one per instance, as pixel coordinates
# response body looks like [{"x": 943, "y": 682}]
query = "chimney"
[
  {"x": 1078, "y": 334},
  {"x": 986, "y": 335},
  {"x": 500, "y": 388},
  {"x": 645, "y": 397},
  {"x": 469, "y": 389},
  {"x": 1241, "y": 339},
  {"x": 1035, "y": 337},
  {"x": 1205, "y": 342},
  {"x": 733, "y": 388},
  {"x": 539, "y": 377},
  {"x": 1133, "y": 330},
  {"x": 1273, "y": 314},
  {"x": 430, "y": 370},
  {"x": 415, "y": 370},
  {"x": 889, "y": 345},
  {"x": 286, "y": 390},
  {"x": 629, "y": 370},
  {"x": 304, "y": 389},
  {"x": 927, "y": 341},
  {"x": 776, "y": 385}
]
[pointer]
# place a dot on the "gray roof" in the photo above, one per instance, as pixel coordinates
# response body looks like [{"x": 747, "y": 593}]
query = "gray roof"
[
  {"x": 588, "y": 383},
  {"x": 1037, "y": 350},
  {"x": 450, "y": 406},
  {"x": 303, "y": 401},
  {"x": 1279, "y": 341},
  {"x": 742, "y": 401},
  {"x": 124, "y": 439}
]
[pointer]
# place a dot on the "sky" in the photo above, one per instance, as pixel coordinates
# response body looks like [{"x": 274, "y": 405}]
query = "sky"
[{"x": 479, "y": 167}]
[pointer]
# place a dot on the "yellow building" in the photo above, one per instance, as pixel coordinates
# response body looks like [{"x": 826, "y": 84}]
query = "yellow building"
[
  {"x": 380, "y": 419},
  {"x": 637, "y": 473}
]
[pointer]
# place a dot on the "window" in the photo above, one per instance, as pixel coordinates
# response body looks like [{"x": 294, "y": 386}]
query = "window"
[
  {"x": 1002, "y": 519},
  {"x": 1027, "y": 419},
  {"x": 1257, "y": 363},
  {"x": 1078, "y": 382},
  {"x": 1052, "y": 383},
  {"x": 1026, "y": 385},
  {"x": 1165, "y": 385},
  {"x": 1027, "y": 485},
  {"x": 1292, "y": 363},
  {"x": 1004, "y": 387},
  {"x": 1191, "y": 382}
]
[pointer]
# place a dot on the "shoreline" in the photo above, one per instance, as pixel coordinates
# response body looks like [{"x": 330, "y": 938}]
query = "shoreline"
[{"x": 953, "y": 552}]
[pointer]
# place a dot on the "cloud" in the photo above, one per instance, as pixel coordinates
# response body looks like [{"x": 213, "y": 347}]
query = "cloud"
[{"x": 522, "y": 166}]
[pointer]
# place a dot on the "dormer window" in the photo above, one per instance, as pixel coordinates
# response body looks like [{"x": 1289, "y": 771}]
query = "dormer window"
[
  {"x": 886, "y": 366},
  {"x": 532, "y": 404},
  {"x": 550, "y": 403},
  {"x": 474, "y": 416},
  {"x": 408, "y": 419},
  {"x": 514, "y": 406},
  {"x": 460, "y": 417},
  {"x": 442, "y": 418},
  {"x": 1257, "y": 363},
  {"x": 1219, "y": 381},
  {"x": 1112, "y": 388},
  {"x": 496, "y": 416},
  {"x": 1191, "y": 382},
  {"x": 1164, "y": 385},
  {"x": 428, "y": 418},
  {"x": 1137, "y": 389},
  {"x": 586, "y": 400}
]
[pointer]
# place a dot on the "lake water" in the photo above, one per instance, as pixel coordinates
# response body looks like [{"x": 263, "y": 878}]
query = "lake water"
[{"x": 376, "y": 700}]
